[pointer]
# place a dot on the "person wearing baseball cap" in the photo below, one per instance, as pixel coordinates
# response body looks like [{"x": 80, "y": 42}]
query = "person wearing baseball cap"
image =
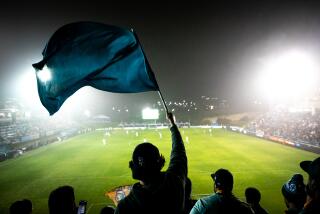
[
  {"x": 312, "y": 204},
  {"x": 157, "y": 192},
  {"x": 294, "y": 194},
  {"x": 223, "y": 201}
]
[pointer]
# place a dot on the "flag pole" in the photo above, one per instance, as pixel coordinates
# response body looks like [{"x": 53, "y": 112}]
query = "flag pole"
[
  {"x": 159, "y": 92},
  {"x": 163, "y": 102}
]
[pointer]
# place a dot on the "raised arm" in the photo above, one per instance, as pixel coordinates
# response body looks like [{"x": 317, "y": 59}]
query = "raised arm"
[{"x": 178, "y": 159}]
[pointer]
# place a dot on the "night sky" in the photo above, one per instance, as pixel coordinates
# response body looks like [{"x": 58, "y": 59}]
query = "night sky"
[{"x": 195, "y": 49}]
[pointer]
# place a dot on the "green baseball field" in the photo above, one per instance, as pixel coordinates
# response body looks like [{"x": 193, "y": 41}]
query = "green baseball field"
[{"x": 97, "y": 162}]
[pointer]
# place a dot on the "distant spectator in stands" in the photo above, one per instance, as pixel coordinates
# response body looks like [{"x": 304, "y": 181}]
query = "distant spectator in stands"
[
  {"x": 223, "y": 201},
  {"x": 62, "y": 201},
  {"x": 189, "y": 202},
  {"x": 107, "y": 210},
  {"x": 294, "y": 194},
  {"x": 21, "y": 207},
  {"x": 157, "y": 192},
  {"x": 312, "y": 204},
  {"x": 253, "y": 198}
]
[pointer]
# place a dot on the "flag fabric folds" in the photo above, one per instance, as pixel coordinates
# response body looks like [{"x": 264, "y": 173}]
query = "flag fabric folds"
[{"x": 80, "y": 54}]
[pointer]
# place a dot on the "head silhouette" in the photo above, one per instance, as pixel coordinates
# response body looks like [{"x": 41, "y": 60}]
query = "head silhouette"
[
  {"x": 253, "y": 195},
  {"x": 313, "y": 170},
  {"x": 21, "y": 207},
  {"x": 294, "y": 191},
  {"x": 223, "y": 181},
  {"x": 61, "y": 201},
  {"x": 146, "y": 161},
  {"x": 107, "y": 210}
]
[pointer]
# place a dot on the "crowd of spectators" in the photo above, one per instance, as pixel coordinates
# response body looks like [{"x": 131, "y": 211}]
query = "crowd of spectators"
[
  {"x": 295, "y": 126},
  {"x": 19, "y": 136},
  {"x": 18, "y": 132},
  {"x": 23, "y": 131}
]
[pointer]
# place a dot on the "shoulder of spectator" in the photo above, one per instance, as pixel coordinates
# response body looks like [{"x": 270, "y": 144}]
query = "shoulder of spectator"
[{"x": 197, "y": 207}]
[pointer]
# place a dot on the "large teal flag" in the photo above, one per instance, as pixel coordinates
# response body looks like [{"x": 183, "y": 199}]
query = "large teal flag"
[{"x": 80, "y": 54}]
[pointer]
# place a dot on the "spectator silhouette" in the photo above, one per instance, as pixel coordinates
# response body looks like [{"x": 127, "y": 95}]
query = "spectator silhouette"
[
  {"x": 189, "y": 202},
  {"x": 157, "y": 192},
  {"x": 107, "y": 210},
  {"x": 21, "y": 207},
  {"x": 253, "y": 198},
  {"x": 62, "y": 201},
  {"x": 294, "y": 194},
  {"x": 312, "y": 204},
  {"x": 223, "y": 201}
]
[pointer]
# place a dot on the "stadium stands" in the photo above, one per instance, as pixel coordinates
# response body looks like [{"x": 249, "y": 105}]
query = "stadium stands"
[
  {"x": 296, "y": 128},
  {"x": 20, "y": 132}
]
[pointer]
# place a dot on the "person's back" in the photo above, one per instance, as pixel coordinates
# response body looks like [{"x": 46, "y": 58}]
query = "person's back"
[
  {"x": 223, "y": 201},
  {"x": 219, "y": 203},
  {"x": 157, "y": 192}
]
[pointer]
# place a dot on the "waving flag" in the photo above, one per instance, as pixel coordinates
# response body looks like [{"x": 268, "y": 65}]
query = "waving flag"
[{"x": 80, "y": 54}]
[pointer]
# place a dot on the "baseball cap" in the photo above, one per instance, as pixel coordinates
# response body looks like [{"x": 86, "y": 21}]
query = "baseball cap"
[
  {"x": 223, "y": 178},
  {"x": 312, "y": 168},
  {"x": 294, "y": 189}
]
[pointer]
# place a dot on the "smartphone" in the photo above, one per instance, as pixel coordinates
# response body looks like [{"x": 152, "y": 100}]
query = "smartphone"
[{"x": 82, "y": 207}]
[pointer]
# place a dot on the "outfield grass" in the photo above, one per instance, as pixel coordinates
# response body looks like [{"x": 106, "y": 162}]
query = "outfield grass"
[{"x": 93, "y": 168}]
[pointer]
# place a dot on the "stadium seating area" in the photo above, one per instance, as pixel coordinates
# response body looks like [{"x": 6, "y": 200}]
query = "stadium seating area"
[
  {"x": 25, "y": 134},
  {"x": 300, "y": 127},
  {"x": 28, "y": 130},
  {"x": 16, "y": 133}
]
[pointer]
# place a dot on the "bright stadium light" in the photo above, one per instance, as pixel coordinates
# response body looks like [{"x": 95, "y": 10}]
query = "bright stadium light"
[
  {"x": 87, "y": 113},
  {"x": 288, "y": 77},
  {"x": 27, "y": 114},
  {"x": 26, "y": 88},
  {"x": 150, "y": 114},
  {"x": 44, "y": 75},
  {"x": 84, "y": 97}
]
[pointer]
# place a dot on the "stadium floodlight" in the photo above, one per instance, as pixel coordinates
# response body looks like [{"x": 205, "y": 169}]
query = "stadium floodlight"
[
  {"x": 288, "y": 77},
  {"x": 84, "y": 97},
  {"x": 87, "y": 113},
  {"x": 25, "y": 87},
  {"x": 150, "y": 114},
  {"x": 44, "y": 74},
  {"x": 27, "y": 114}
]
